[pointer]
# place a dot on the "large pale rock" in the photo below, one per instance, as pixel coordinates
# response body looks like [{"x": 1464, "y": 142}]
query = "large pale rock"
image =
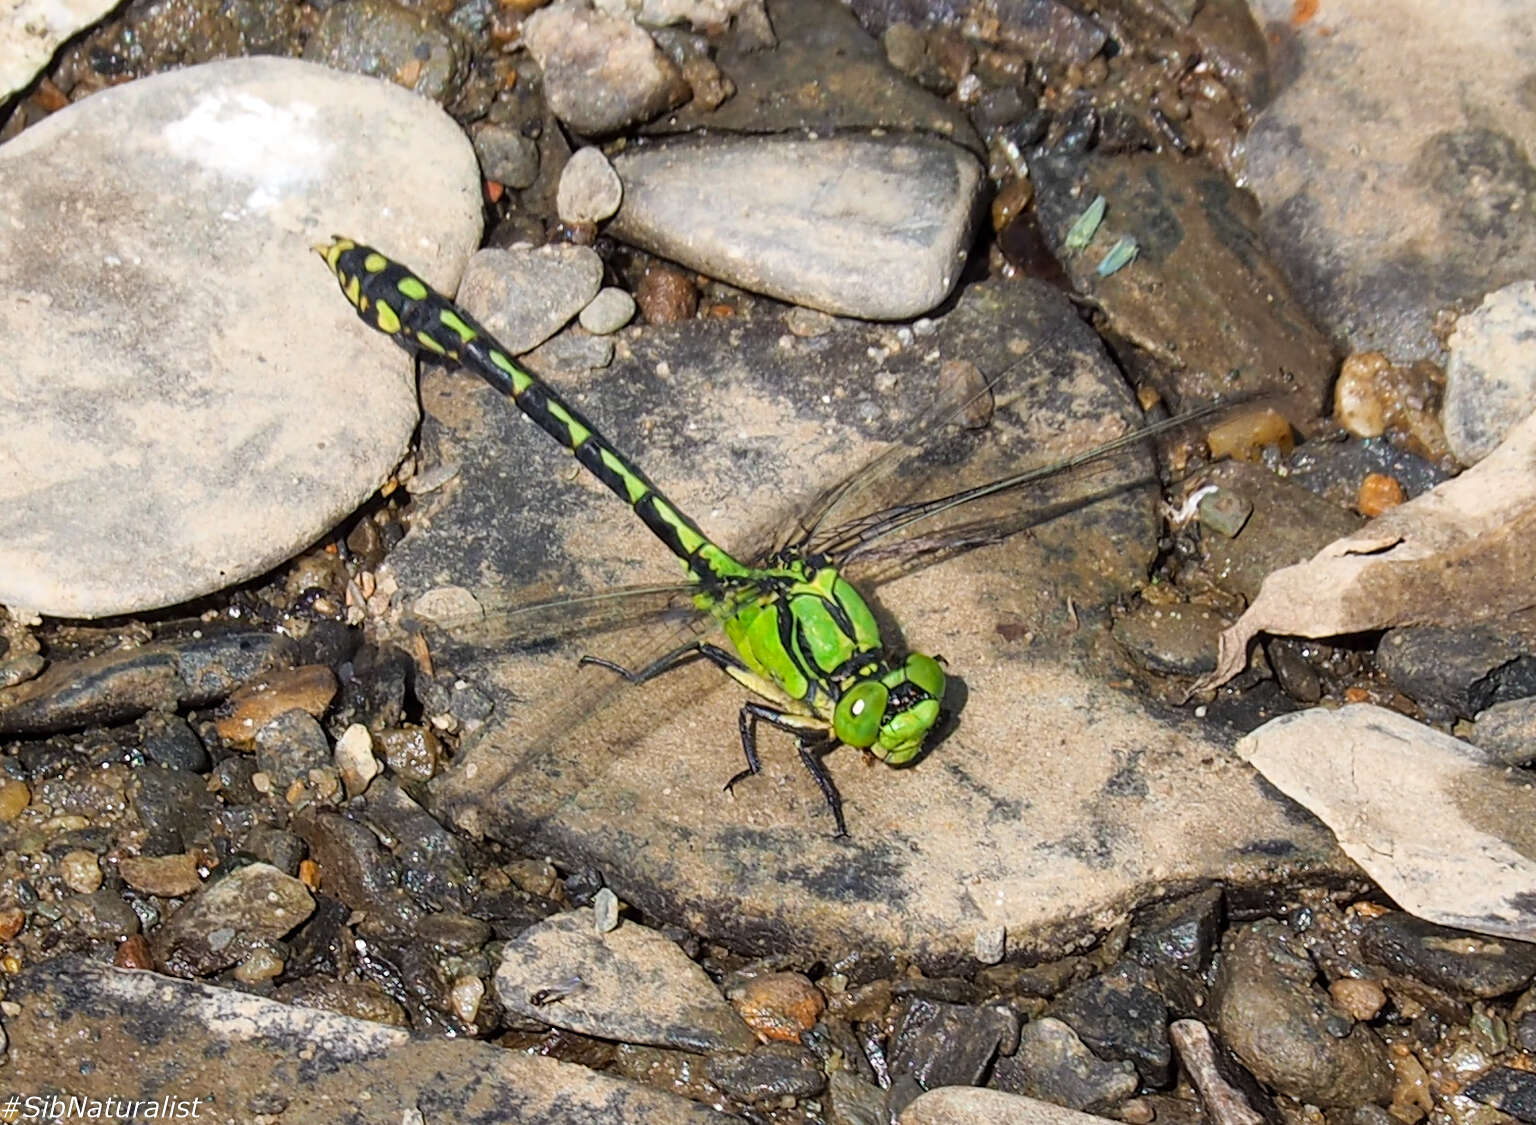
[
  {"x": 187, "y": 400},
  {"x": 875, "y": 227},
  {"x": 1396, "y": 174},
  {"x": 1444, "y": 830},
  {"x": 31, "y": 31}
]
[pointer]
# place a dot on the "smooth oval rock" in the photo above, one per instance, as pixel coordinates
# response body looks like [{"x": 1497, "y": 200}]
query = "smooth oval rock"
[
  {"x": 874, "y": 227},
  {"x": 187, "y": 399}
]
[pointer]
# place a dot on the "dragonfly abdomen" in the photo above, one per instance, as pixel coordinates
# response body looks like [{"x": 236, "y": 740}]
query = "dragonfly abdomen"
[{"x": 393, "y": 299}]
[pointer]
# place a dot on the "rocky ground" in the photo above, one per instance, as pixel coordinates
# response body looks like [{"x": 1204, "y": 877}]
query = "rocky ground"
[{"x": 1230, "y": 819}]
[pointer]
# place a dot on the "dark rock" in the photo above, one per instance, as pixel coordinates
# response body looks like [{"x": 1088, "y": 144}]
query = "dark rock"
[
  {"x": 1525, "y": 1032},
  {"x": 102, "y": 915},
  {"x": 1177, "y": 304},
  {"x": 1464, "y": 964},
  {"x": 1453, "y": 670},
  {"x": 1334, "y": 469},
  {"x": 277, "y": 846},
  {"x": 941, "y": 1044},
  {"x": 432, "y": 862},
  {"x": 289, "y": 747},
  {"x": 772, "y": 1071},
  {"x": 175, "y": 806},
  {"x": 453, "y": 932},
  {"x": 1286, "y": 1029},
  {"x": 358, "y": 871},
  {"x": 1176, "y": 940},
  {"x": 322, "y": 946},
  {"x": 1503, "y": 1087},
  {"x": 373, "y": 688},
  {"x": 235, "y": 776},
  {"x": 384, "y": 39},
  {"x": 224, "y": 921},
  {"x": 1507, "y": 731},
  {"x": 506, "y": 155},
  {"x": 1288, "y": 525},
  {"x": 1119, "y": 1014},
  {"x": 856, "y": 1101},
  {"x": 1296, "y": 676},
  {"x": 124, "y": 683},
  {"x": 1175, "y": 640},
  {"x": 170, "y": 741},
  {"x": 1053, "y": 1064}
]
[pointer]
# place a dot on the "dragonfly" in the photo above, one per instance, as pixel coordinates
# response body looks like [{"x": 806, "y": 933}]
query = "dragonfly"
[{"x": 801, "y": 638}]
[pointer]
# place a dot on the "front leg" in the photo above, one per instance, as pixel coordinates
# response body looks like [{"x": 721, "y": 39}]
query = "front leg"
[{"x": 813, "y": 740}]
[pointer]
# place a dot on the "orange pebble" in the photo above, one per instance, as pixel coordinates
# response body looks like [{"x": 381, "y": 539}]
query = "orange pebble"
[{"x": 1378, "y": 492}]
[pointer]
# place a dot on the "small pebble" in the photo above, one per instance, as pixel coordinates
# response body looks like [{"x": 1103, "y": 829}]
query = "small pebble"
[
  {"x": 808, "y": 323},
  {"x": 308, "y": 688},
  {"x": 12, "y": 919},
  {"x": 80, "y": 871},
  {"x": 1359, "y": 402},
  {"x": 506, "y": 156},
  {"x": 355, "y": 760},
  {"x": 990, "y": 945},
  {"x": 1245, "y": 436},
  {"x": 260, "y": 964},
  {"x": 465, "y": 995},
  {"x": 780, "y": 1006},
  {"x": 666, "y": 296},
  {"x": 412, "y": 752},
  {"x": 589, "y": 190},
  {"x": 169, "y": 876},
  {"x": 14, "y": 798},
  {"x": 1224, "y": 512},
  {"x": 1135, "y": 1111},
  {"x": 1362, "y": 999},
  {"x": 1378, "y": 493},
  {"x": 609, "y": 311},
  {"x": 605, "y": 910},
  {"x": 133, "y": 953}
]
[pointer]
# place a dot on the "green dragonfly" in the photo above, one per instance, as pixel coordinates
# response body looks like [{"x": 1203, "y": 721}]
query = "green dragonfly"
[{"x": 802, "y": 639}]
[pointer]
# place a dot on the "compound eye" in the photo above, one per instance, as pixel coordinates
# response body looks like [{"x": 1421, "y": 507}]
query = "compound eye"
[
  {"x": 925, "y": 672},
  {"x": 856, "y": 722}
]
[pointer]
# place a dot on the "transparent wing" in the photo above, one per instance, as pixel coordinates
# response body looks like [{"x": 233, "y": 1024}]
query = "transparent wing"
[{"x": 532, "y": 617}]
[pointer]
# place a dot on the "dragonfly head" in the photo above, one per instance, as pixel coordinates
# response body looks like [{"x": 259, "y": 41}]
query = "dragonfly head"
[{"x": 891, "y": 713}]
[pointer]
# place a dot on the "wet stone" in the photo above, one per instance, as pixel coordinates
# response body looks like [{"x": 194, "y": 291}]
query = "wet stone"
[
  {"x": 289, "y": 747},
  {"x": 169, "y": 741},
  {"x": 431, "y": 859},
  {"x": 358, "y": 871},
  {"x": 1208, "y": 312},
  {"x": 1176, "y": 640},
  {"x": 772, "y": 1071},
  {"x": 125, "y": 683},
  {"x": 630, "y": 984},
  {"x": 1457, "y": 670},
  {"x": 1508, "y": 1089},
  {"x": 1508, "y": 731},
  {"x": 176, "y": 807},
  {"x": 101, "y": 916},
  {"x": 1284, "y": 1027},
  {"x": 1052, "y": 1064},
  {"x": 941, "y": 1044},
  {"x": 1464, "y": 964},
  {"x": 219, "y": 925},
  {"x": 1119, "y": 1014}
]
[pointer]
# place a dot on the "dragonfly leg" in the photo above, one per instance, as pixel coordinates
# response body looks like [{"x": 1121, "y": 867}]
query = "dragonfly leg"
[
  {"x": 668, "y": 661},
  {"x": 809, "y": 747}
]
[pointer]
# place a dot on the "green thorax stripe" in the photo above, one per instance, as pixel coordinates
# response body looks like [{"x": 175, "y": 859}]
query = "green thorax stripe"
[{"x": 394, "y": 300}]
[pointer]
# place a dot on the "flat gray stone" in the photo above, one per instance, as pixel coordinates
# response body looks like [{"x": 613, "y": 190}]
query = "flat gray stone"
[
  {"x": 1490, "y": 378},
  {"x": 187, "y": 398},
  {"x": 874, "y": 227},
  {"x": 1396, "y": 175},
  {"x": 32, "y": 30},
  {"x": 249, "y": 1059},
  {"x": 1059, "y": 801},
  {"x": 527, "y": 294},
  {"x": 1446, "y": 834},
  {"x": 628, "y": 983}
]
